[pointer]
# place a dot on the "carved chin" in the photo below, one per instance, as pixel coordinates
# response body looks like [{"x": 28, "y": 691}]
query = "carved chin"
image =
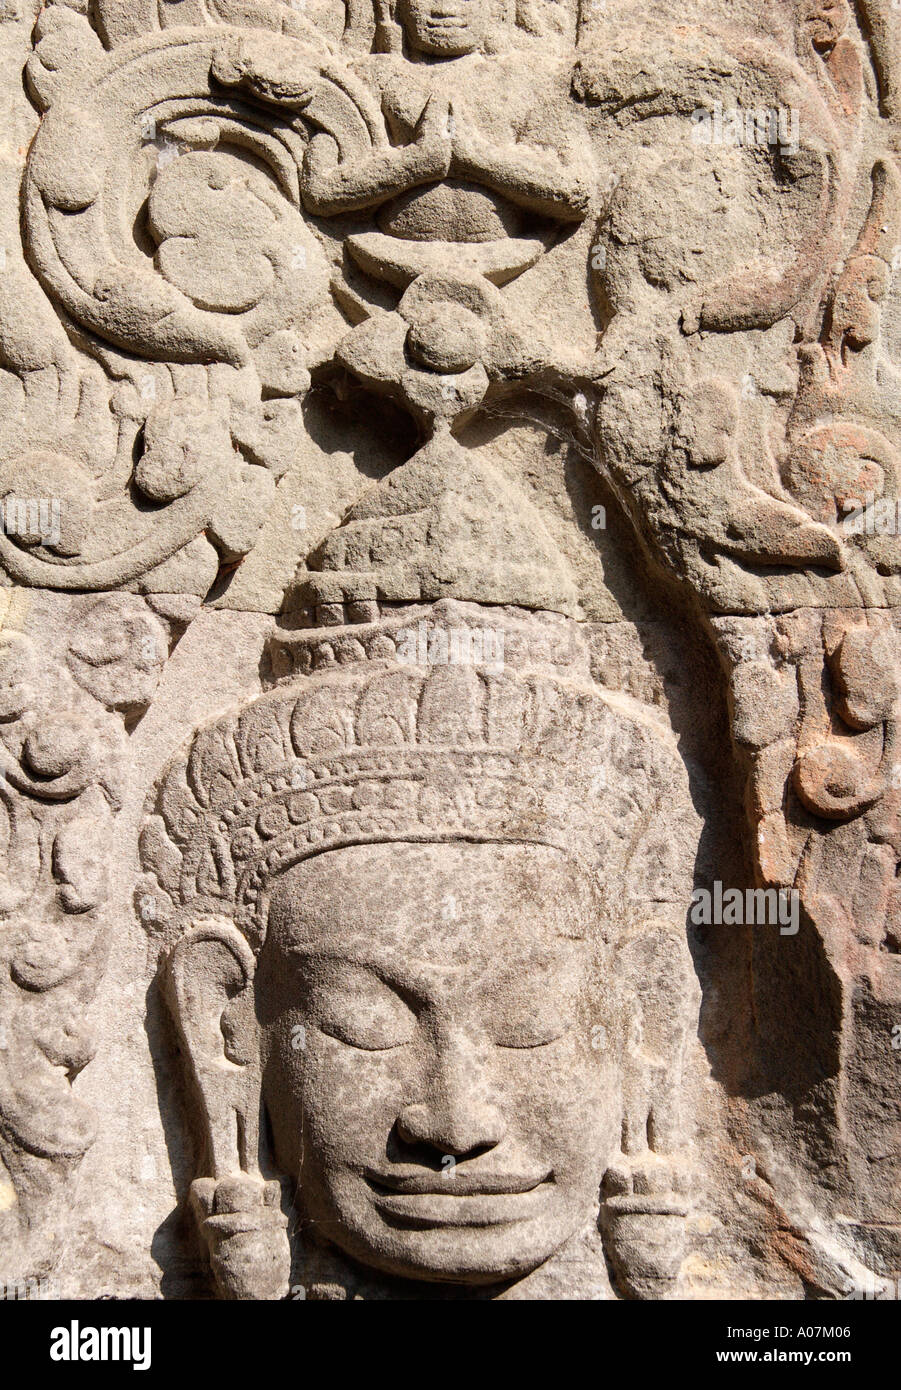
[{"x": 479, "y": 1239}]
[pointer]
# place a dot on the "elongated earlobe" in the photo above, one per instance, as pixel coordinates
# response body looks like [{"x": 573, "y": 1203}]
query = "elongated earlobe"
[
  {"x": 647, "y": 1188},
  {"x": 209, "y": 979},
  {"x": 209, "y": 983}
]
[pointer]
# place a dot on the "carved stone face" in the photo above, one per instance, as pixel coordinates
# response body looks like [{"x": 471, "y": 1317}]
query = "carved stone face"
[
  {"x": 443, "y": 28},
  {"x": 427, "y": 1055}
]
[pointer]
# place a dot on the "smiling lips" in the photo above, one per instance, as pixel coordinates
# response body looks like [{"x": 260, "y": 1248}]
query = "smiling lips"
[{"x": 459, "y": 1199}]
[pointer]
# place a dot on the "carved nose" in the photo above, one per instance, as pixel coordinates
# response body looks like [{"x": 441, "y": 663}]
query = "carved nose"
[
  {"x": 454, "y": 1118},
  {"x": 464, "y": 1130}
]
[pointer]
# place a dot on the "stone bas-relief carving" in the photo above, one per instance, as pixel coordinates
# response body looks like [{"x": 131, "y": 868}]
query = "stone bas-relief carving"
[
  {"x": 449, "y": 523},
  {"x": 447, "y": 914}
]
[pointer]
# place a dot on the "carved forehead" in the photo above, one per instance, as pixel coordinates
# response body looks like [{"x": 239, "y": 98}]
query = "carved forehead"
[{"x": 431, "y": 897}]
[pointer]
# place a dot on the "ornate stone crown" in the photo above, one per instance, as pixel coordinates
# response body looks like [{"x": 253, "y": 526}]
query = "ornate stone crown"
[{"x": 388, "y": 747}]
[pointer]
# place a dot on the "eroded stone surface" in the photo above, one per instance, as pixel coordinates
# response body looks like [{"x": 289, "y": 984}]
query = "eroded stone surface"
[{"x": 449, "y": 771}]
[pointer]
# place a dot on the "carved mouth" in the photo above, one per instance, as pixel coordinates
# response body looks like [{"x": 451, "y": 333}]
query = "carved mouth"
[
  {"x": 489, "y": 1200},
  {"x": 460, "y": 1184}
]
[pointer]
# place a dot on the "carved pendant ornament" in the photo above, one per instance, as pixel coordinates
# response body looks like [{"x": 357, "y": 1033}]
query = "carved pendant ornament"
[{"x": 449, "y": 666}]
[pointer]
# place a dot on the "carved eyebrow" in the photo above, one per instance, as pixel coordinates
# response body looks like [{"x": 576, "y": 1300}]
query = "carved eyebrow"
[
  {"x": 408, "y": 989},
  {"x": 413, "y": 985}
]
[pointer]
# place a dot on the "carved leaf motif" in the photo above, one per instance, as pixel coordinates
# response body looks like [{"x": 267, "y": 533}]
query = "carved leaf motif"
[{"x": 213, "y": 769}]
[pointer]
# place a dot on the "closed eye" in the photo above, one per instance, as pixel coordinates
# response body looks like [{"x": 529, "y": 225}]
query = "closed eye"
[
  {"x": 352, "y": 1004},
  {"x": 368, "y": 1034}
]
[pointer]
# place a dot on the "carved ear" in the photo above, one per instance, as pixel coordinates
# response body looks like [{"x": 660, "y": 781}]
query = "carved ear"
[
  {"x": 661, "y": 1001},
  {"x": 209, "y": 977},
  {"x": 646, "y": 1190}
]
